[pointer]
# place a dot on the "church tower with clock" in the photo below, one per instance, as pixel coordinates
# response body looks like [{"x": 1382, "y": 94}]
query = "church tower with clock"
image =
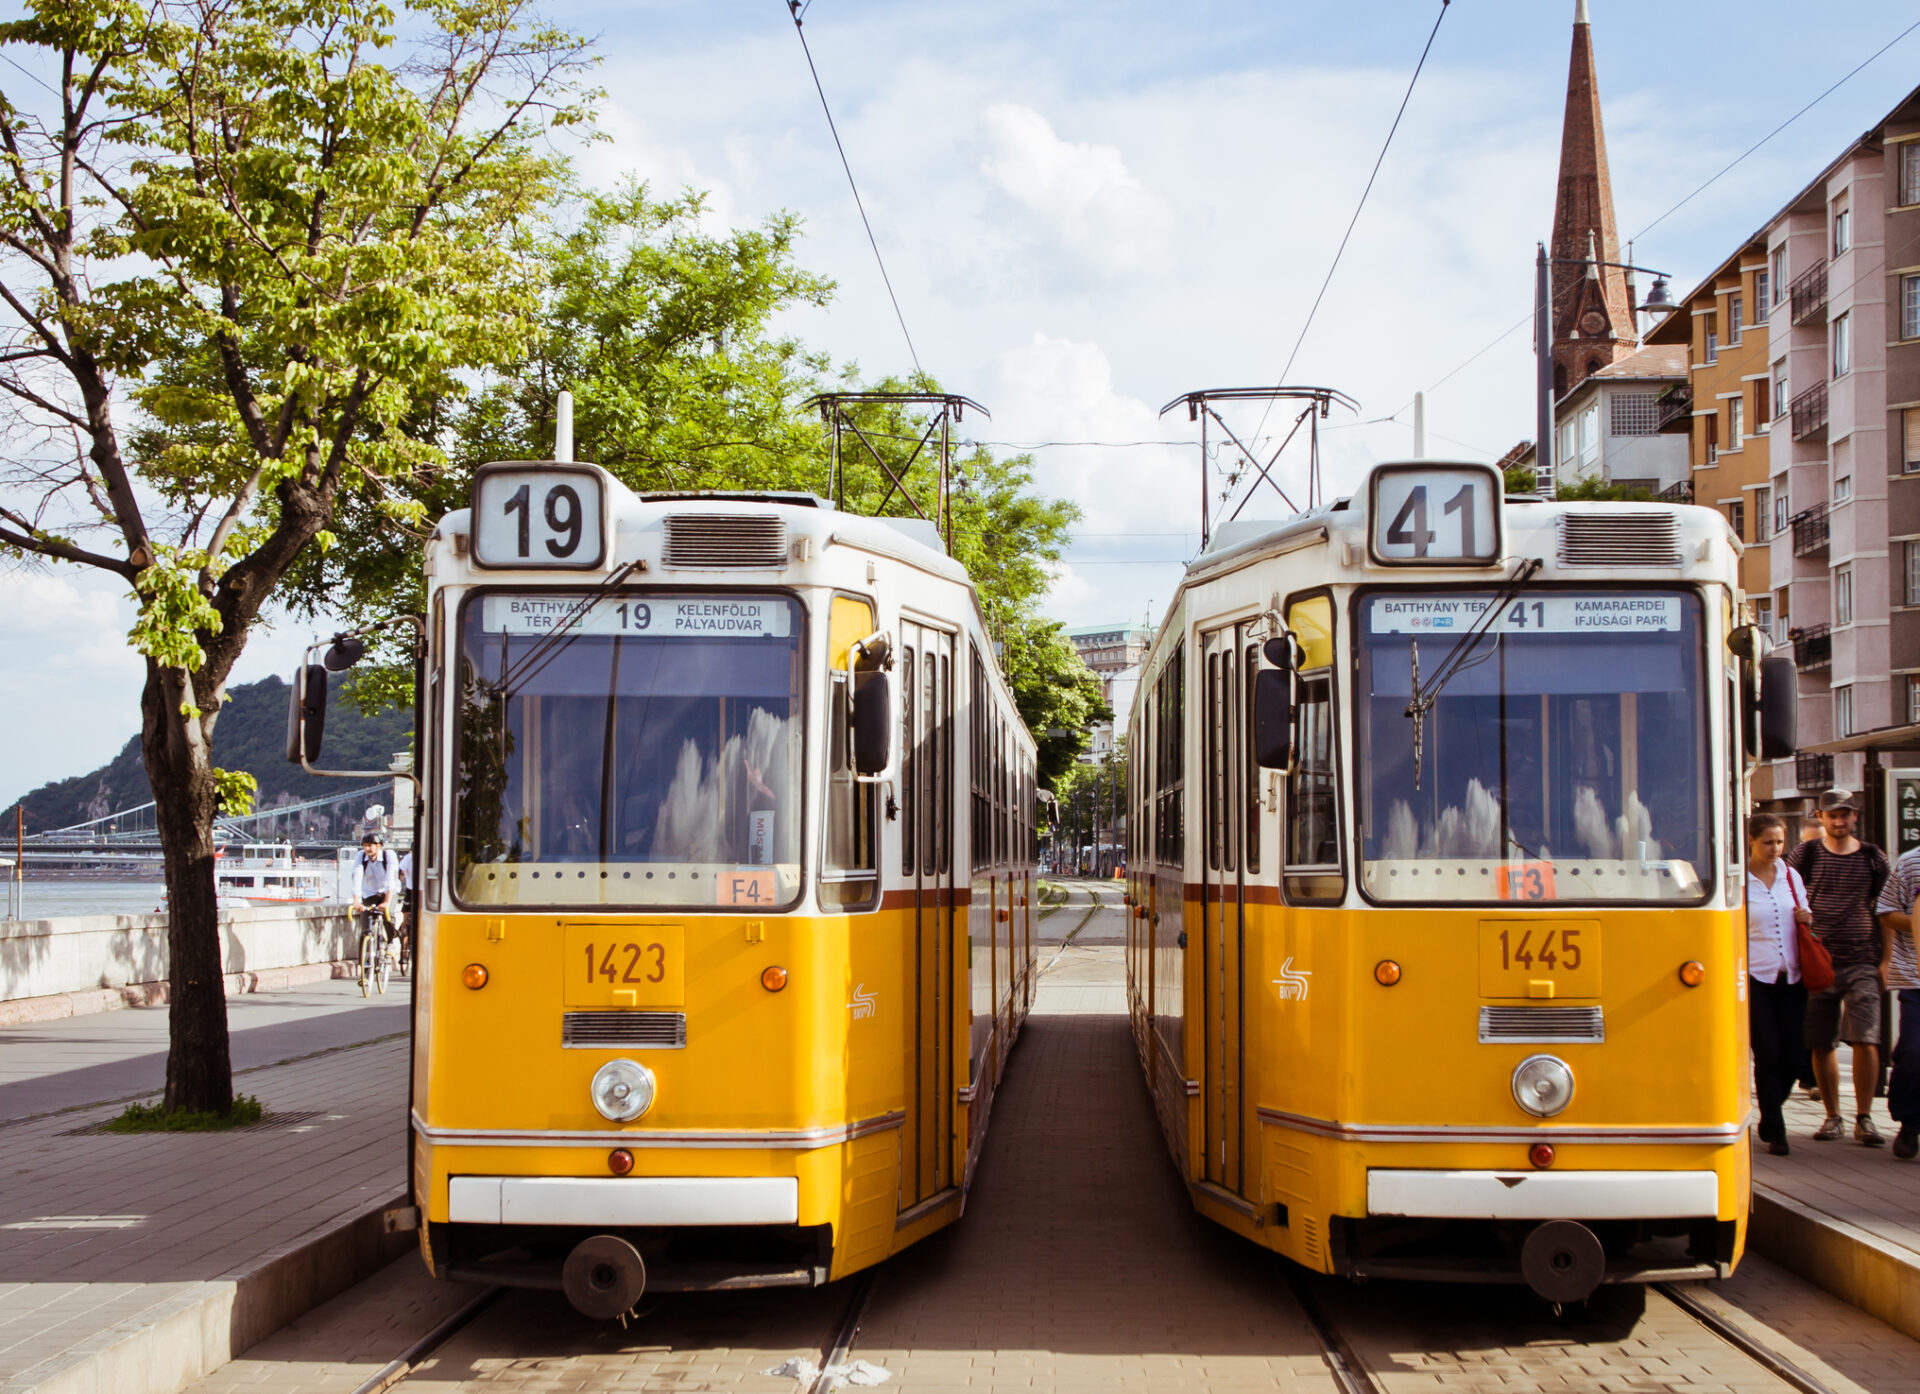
[{"x": 1592, "y": 311}]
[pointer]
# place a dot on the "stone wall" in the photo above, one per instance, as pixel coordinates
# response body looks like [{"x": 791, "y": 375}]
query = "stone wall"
[{"x": 90, "y": 953}]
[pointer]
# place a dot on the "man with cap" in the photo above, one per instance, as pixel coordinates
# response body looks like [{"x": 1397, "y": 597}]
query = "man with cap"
[
  {"x": 1844, "y": 878},
  {"x": 376, "y": 877}
]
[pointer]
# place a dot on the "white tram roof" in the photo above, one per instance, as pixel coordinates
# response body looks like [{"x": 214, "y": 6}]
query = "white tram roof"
[{"x": 638, "y": 523}]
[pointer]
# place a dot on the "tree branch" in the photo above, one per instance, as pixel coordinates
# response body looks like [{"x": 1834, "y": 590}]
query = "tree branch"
[{"x": 58, "y": 550}]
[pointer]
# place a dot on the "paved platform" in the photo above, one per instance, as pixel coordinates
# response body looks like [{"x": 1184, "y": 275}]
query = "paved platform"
[{"x": 136, "y": 1263}]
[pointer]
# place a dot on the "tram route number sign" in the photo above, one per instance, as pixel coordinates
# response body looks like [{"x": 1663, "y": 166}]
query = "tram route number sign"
[
  {"x": 539, "y": 517},
  {"x": 1539, "y": 958},
  {"x": 754, "y": 887},
  {"x": 625, "y": 965},
  {"x": 1436, "y": 515}
]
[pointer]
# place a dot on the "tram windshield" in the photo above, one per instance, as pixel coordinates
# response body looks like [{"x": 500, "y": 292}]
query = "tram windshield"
[
  {"x": 647, "y": 753},
  {"x": 1565, "y": 759}
]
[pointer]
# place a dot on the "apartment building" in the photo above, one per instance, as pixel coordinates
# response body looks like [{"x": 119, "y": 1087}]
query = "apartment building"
[
  {"x": 1608, "y": 427},
  {"x": 1843, "y": 383},
  {"x": 1115, "y": 652}
]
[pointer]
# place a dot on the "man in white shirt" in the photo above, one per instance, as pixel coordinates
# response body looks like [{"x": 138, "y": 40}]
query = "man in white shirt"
[{"x": 376, "y": 877}]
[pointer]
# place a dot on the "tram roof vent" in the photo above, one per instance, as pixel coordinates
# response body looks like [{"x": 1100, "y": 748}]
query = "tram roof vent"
[
  {"x": 707, "y": 541},
  {"x": 1619, "y": 539}
]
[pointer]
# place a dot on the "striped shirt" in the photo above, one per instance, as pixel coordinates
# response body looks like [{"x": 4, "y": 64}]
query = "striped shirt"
[
  {"x": 1898, "y": 896},
  {"x": 1841, "y": 892}
]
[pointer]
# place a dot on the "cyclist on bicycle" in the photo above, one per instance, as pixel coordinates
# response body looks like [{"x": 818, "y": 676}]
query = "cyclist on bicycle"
[{"x": 376, "y": 879}]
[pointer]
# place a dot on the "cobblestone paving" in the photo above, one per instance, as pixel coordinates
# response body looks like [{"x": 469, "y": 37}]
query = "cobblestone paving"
[{"x": 1839, "y": 1345}]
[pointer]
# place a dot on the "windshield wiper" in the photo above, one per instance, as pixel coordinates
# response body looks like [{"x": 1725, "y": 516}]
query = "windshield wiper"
[
  {"x": 1451, "y": 666},
  {"x": 544, "y": 652}
]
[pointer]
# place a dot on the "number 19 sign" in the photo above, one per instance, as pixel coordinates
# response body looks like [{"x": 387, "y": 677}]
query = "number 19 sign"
[
  {"x": 1435, "y": 515},
  {"x": 545, "y": 517}
]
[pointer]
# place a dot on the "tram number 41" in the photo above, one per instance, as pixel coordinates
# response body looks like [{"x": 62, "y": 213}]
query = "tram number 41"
[
  {"x": 1409, "y": 525},
  {"x": 627, "y": 962},
  {"x": 1558, "y": 948}
]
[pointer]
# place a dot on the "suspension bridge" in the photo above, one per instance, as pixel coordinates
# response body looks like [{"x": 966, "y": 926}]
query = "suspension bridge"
[{"x": 132, "y": 837}]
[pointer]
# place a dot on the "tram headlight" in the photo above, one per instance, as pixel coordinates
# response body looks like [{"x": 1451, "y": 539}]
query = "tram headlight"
[
  {"x": 1542, "y": 1085},
  {"x": 622, "y": 1090}
]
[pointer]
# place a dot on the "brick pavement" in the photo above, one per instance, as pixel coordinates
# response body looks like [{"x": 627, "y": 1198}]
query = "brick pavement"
[
  {"x": 1864, "y": 1186},
  {"x": 102, "y": 1234}
]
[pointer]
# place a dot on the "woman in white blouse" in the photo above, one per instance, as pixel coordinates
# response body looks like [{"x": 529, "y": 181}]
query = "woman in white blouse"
[{"x": 1776, "y": 999}]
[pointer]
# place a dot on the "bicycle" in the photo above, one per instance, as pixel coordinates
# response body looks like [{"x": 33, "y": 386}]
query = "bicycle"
[{"x": 376, "y": 965}]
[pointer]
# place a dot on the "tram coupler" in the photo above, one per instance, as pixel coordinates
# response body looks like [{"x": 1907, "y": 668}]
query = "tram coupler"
[
  {"x": 604, "y": 1277},
  {"x": 1563, "y": 1261}
]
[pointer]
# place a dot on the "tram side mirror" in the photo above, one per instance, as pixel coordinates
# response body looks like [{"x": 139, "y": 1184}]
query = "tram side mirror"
[
  {"x": 1279, "y": 652},
  {"x": 307, "y": 713},
  {"x": 345, "y": 651},
  {"x": 1273, "y": 718},
  {"x": 872, "y": 722},
  {"x": 1779, "y": 708}
]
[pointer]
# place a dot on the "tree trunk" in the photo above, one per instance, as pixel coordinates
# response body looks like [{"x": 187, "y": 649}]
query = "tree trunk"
[{"x": 178, "y": 757}]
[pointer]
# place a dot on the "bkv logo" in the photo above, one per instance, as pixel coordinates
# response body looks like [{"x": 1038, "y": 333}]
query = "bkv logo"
[
  {"x": 864, "y": 1003},
  {"x": 1292, "y": 981}
]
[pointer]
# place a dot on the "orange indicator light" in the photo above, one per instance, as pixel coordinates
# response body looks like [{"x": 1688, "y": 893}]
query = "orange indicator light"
[
  {"x": 474, "y": 975},
  {"x": 773, "y": 978},
  {"x": 1693, "y": 973},
  {"x": 1386, "y": 972}
]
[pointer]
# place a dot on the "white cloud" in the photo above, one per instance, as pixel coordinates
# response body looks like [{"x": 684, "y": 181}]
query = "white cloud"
[{"x": 1079, "y": 194}]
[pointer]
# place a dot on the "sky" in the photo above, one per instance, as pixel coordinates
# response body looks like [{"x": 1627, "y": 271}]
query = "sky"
[{"x": 1087, "y": 210}]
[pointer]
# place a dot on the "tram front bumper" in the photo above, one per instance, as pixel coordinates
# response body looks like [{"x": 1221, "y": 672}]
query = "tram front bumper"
[
  {"x": 1542, "y": 1195},
  {"x": 639, "y": 1201}
]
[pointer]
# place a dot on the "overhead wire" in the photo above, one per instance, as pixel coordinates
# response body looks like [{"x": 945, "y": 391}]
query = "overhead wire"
[{"x": 797, "y": 9}]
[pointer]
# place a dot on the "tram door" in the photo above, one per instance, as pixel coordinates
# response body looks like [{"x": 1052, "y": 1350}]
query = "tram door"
[
  {"x": 926, "y": 855},
  {"x": 1223, "y": 943}
]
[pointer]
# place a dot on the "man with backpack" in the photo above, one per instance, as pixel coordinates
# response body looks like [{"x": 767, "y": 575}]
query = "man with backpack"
[
  {"x": 1897, "y": 904},
  {"x": 1844, "y": 877}
]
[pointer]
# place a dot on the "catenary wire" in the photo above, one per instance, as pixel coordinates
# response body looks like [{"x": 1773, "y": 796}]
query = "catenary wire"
[
  {"x": 1777, "y": 129},
  {"x": 797, "y": 9}
]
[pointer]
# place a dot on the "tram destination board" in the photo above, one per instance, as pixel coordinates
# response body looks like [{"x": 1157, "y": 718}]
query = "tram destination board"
[
  {"x": 539, "y": 517},
  {"x": 651, "y": 615}
]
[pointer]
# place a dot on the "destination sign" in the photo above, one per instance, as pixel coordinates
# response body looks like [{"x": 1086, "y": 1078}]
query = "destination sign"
[
  {"x": 1558, "y": 613},
  {"x": 656, "y": 616}
]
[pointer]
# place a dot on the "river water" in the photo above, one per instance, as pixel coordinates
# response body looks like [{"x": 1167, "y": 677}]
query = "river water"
[{"x": 49, "y": 899}]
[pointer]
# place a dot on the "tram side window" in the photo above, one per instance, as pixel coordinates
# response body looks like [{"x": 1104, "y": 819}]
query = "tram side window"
[
  {"x": 909, "y": 765},
  {"x": 1254, "y": 774},
  {"x": 1170, "y": 820},
  {"x": 1313, "y": 825},
  {"x": 849, "y": 879},
  {"x": 982, "y": 852}
]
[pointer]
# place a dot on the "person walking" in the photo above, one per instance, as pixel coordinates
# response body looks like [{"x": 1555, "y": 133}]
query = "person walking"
[
  {"x": 1844, "y": 877},
  {"x": 1902, "y": 976},
  {"x": 1776, "y": 998}
]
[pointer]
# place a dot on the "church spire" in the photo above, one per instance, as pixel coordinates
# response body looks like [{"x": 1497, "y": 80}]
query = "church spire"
[{"x": 1592, "y": 318}]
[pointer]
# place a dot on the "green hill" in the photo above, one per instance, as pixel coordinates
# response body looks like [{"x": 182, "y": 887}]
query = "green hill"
[{"x": 251, "y": 735}]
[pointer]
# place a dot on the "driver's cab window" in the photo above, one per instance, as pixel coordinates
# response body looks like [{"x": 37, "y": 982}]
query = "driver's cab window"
[
  {"x": 849, "y": 876},
  {"x": 1312, "y": 828}
]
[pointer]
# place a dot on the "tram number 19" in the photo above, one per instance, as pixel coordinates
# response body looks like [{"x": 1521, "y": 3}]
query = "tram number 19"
[
  {"x": 643, "y": 963},
  {"x": 563, "y": 514},
  {"x": 1558, "y": 948},
  {"x": 545, "y": 517}
]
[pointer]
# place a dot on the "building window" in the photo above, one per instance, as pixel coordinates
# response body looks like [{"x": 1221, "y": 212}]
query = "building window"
[
  {"x": 1782, "y": 510},
  {"x": 1590, "y": 437},
  {"x": 1842, "y": 230},
  {"x": 1843, "y": 711},
  {"x": 1762, "y": 409},
  {"x": 1843, "y": 488},
  {"x": 1711, "y": 421},
  {"x": 1782, "y": 617},
  {"x": 1713, "y": 344},
  {"x": 1777, "y": 278},
  {"x": 1843, "y": 595},
  {"x": 1736, "y": 308},
  {"x": 1842, "y": 345},
  {"x": 1736, "y": 423},
  {"x": 1910, "y": 173},
  {"x": 1912, "y": 571},
  {"x": 1763, "y": 614},
  {"x": 1737, "y": 518},
  {"x": 1634, "y": 413},
  {"x": 1779, "y": 393},
  {"x": 1762, "y": 510},
  {"x": 1910, "y": 307},
  {"x": 1910, "y": 442},
  {"x": 1913, "y": 695},
  {"x": 1762, "y": 296}
]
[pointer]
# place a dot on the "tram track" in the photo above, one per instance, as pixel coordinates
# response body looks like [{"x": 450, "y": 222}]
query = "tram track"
[{"x": 1341, "y": 1344}]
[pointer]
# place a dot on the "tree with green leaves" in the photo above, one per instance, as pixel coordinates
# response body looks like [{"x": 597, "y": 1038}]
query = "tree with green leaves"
[{"x": 239, "y": 241}]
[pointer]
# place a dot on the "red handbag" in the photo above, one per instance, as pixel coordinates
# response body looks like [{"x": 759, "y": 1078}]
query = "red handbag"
[{"x": 1816, "y": 964}]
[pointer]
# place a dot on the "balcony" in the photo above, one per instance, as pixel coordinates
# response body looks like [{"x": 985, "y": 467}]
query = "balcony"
[
  {"x": 1809, "y": 294},
  {"x": 1673, "y": 410},
  {"x": 1809, "y": 412},
  {"x": 1812, "y": 646},
  {"x": 1812, "y": 772},
  {"x": 1678, "y": 493},
  {"x": 1810, "y": 531}
]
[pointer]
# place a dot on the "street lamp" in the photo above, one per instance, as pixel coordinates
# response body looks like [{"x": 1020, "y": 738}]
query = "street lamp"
[{"x": 1657, "y": 303}]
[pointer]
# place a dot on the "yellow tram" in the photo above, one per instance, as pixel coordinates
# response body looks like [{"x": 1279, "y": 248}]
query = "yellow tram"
[
  {"x": 1435, "y": 965},
  {"x": 725, "y": 874}
]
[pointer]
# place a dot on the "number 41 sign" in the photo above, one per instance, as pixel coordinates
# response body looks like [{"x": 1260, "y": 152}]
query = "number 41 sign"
[{"x": 1435, "y": 515}]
